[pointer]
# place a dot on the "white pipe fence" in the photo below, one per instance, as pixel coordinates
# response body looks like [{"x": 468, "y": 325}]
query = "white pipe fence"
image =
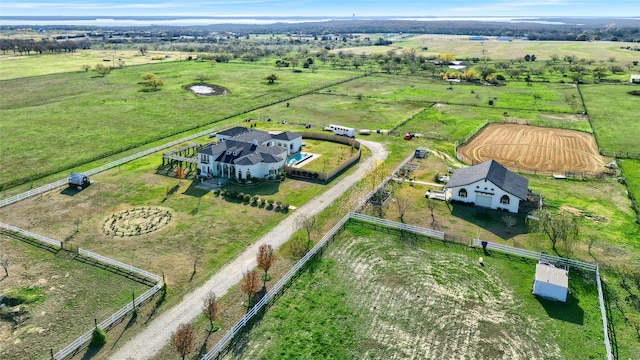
[
  {"x": 59, "y": 183},
  {"x": 42, "y": 239},
  {"x": 84, "y": 339},
  {"x": 537, "y": 255},
  {"x": 396, "y": 225},
  {"x": 603, "y": 312},
  {"x": 276, "y": 290}
]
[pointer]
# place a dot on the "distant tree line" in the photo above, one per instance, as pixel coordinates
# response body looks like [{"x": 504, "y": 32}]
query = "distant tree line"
[{"x": 28, "y": 46}]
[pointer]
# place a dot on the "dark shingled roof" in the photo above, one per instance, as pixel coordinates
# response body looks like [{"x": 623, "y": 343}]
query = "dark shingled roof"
[
  {"x": 234, "y": 131},
  {"x": 258, "y": 135},
  {"x": 245, "y": 153},
  {"x": 286, "y": 135},
  {"x": 492, "y": 171}
]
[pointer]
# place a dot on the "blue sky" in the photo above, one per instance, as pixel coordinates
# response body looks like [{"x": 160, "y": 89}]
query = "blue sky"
[{"x": 440, "y": 8}]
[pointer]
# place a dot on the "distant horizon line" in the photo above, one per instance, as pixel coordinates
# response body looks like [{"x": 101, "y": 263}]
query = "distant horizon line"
[{"x": 167, "y": 17}]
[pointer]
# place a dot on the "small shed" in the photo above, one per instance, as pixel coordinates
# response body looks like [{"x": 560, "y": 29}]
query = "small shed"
[
  {"x": 551, "y": 282},
  {"x": 634, "y": 78},
  {"x": 79, "y": 181},
  {"x": 421, "y": 152}
]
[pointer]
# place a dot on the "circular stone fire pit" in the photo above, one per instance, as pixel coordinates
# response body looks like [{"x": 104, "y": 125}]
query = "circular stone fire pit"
[
  {"x": 136, "y": 221},
  {"x": 206, "y": 89}
]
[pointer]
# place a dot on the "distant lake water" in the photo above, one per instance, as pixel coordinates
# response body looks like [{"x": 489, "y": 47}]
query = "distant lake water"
[{"x": 201, "y": 21}]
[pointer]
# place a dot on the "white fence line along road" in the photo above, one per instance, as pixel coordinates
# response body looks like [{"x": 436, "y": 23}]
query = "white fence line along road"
[
  {"x": 59, "y": 183},
  {"x": 239, "y": 326},
  {"x": 157, "y": 334}
]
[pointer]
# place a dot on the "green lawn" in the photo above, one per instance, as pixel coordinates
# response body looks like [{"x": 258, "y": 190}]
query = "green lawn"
[
  {"x": 613, "y": 112},
  {"x": 57, "y": 121},
  {"x": 396, "y": 298}
]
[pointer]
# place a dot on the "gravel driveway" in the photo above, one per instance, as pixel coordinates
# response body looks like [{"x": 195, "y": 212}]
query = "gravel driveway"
[{"x": 147, "y": 343}]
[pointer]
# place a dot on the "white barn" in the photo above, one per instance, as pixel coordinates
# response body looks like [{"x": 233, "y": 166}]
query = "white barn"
[
  {"x": 488, "y": 184},
  {"x": 243, "y": 153},
  {"x": 551, "y": 282}
]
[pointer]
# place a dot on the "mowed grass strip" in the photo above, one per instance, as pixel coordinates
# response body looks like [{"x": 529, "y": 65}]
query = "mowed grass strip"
[
  {"x": 71, "y": 294},
  {"x": 377, "y": 295},
  {"x": 56, "y": 121}
]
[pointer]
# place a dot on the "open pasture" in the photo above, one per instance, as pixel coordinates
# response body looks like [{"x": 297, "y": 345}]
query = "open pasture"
[
  {"x": 58, "y": 121},
  {"x": 14, "y": 66},
  {"x": 530, "y": 149},
  {"x": 60, "y": 298},
  {"x": 493, "y": 49},
  {"x": 613, "y": 111},
  {"x": 378, "y": 295}
]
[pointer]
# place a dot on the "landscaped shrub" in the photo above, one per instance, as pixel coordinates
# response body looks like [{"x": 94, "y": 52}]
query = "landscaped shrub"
[
  {"x": 98, "y": 337},
  {"x": 216, "y": 192},
  {"x": 254, "y": 199},
  {"x": 240, "y": 196},
  {"x": 247, "y": 198},
  {"x": 284, "y": 207},
  {"x": 278, "y": 203}
]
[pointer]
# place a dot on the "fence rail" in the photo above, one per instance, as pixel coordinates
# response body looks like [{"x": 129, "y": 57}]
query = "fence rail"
[
  {"x": 59, "y": 183},
  {"x": 43, "y": 239},
  {"x": 537, "y": 255},
  {"x": 268, "y": 298},
  {"x": 603, "y": 312},
  {"x": 118, "y": 264},
  {"x": 84, "y": 339},
  {"x": 115, "y": 318},
  {"x": 396, "y": 225}
]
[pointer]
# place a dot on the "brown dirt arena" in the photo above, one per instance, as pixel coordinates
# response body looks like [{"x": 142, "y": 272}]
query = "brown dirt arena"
[{"x": 534, "y": 149}]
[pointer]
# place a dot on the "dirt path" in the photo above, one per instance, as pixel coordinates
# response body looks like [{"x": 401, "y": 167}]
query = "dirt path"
[{"x": 147, "y": 343}]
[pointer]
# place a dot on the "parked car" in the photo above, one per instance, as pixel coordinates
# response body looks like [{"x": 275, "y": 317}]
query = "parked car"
[{"x": 409, "y": 136}]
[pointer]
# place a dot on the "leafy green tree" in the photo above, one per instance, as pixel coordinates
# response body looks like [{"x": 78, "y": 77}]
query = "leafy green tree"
[
  {"x": 271, "y": 78},
  {"x": 86, "y": 67},
  {"x": 102, "y": 70},
  {"x": 150, "y": 80}
]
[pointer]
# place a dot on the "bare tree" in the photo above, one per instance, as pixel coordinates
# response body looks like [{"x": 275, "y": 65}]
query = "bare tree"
[
  {"x": 431, "y": 204},
  {"x": 183, "y": 339},
  {"x": 5, "y": 262},
  {"x": 211, "y": 309},
  {"x": 201, "y": 78},
  {"x": 402, "y": 204},
  {"x": 102, "y": 70},
  {"x": 265, "y": 259},
  {"x": 86, "y": 67},
  {"x": 556, "y": 226},
  {"x": 309, "y": 224},
  {"x": 249, "y": 284}
]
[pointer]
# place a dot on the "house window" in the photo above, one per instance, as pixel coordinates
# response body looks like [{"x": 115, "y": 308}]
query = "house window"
[
  {"x": 204, "y": 159},
  {"x": 462, "y": 193},
  {"x": 504, "y": 200}
]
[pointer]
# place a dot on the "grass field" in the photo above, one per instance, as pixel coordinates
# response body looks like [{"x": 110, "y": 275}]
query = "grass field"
[
  {"x": 613, "y": 114},
  {"x": 374, "y": 295},
  {"x": 87, "y": 117},
  {"x": 61, "y": 298},
  {"x": 13, "y": 66},
  {"x": 60, "y": 120},
  {"x": 464, "y": 48}
]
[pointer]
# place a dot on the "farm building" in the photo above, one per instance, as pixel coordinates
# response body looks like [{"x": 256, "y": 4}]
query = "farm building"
[
  {"x": 243, "y": 153},
  {"x": 488, "y": 184},
  {"x": 79, "y": 181},
  {"x": 551, "y": 282},
  {"x": 634, "y": 79}
]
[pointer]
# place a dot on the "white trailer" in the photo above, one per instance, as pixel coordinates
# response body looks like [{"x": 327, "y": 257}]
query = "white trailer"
[{"x": 342, "y": 130}]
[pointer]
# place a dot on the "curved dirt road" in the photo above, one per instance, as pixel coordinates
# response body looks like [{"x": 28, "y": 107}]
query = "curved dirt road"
[{"x": 147, "y": 343}]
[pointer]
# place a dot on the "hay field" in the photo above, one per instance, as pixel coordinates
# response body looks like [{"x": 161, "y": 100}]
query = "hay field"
[{"x": 531, "y": 148}]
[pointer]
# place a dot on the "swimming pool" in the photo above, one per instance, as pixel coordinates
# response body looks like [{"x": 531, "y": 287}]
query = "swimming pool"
[{"x": 298, "y": 158}]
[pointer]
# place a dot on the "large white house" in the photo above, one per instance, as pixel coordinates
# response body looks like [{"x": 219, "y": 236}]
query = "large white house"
[
  {"x": 488, "y": 184},
  {"x": 243, "y": 153}
]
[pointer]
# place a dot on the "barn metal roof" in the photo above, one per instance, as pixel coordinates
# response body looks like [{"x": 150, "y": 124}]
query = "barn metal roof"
[{"x": 492, "y": 171}]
